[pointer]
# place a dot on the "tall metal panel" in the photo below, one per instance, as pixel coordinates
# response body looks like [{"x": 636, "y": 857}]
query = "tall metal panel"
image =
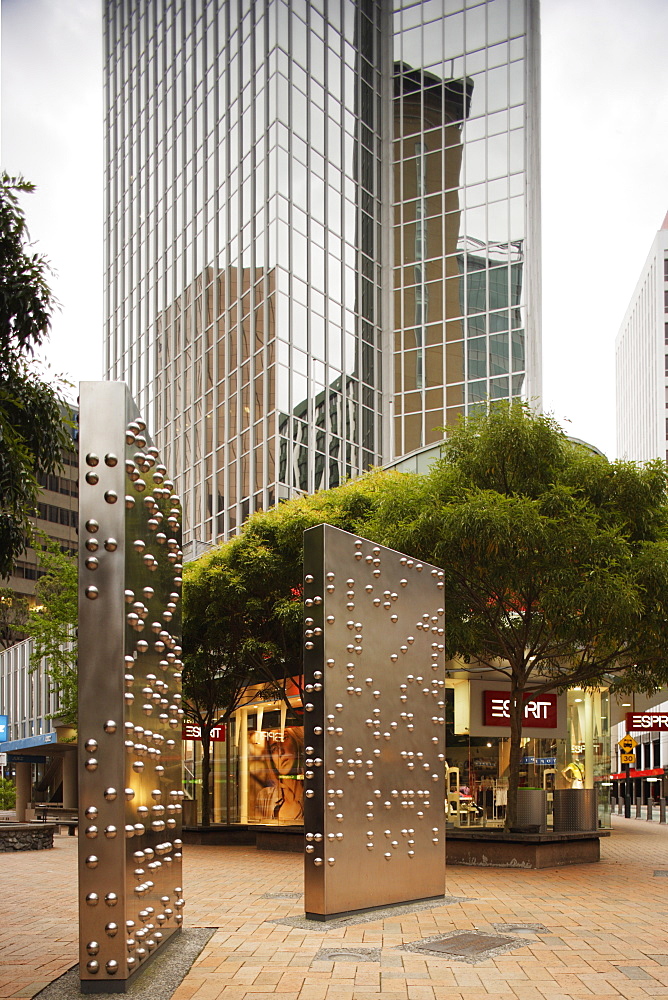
[
  {"x": 130, "y": 796},
  {"x": 374, "y": 725}
]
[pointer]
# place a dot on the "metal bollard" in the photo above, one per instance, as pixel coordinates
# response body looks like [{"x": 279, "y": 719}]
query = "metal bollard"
[
  {"x": 638, "y": 808},
  {"x": 650, "y": 806},
  {"x": 662, "y": 810}
]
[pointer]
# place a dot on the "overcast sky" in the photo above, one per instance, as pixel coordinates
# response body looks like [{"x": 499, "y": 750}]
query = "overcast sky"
[{"x": 605, "y": 178}]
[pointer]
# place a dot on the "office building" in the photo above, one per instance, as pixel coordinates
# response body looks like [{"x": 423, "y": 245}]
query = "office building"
[
  {"x": 322, "y": 233},
  {"x": 56, "y": 517},
  {"x": 642, "y": 361}
]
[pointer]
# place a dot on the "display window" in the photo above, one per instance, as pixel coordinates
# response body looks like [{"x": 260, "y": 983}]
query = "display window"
[
  {"x": 477, "y": 766},
  {"x": 276, "y": 773},
  {"x": 257, "y": 772}
]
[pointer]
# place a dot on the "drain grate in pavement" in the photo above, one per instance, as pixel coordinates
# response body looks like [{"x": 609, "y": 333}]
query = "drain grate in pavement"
[
  {"x": 513, "y": 928},
  {"x": 282, "y": 895},
  {"x": 468, "y": 946},
  {"x": 661, "y": 871},
  {"x": 347, "y": 955}
]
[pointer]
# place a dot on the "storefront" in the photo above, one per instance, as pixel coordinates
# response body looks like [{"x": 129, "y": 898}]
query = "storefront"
[
  {"x": 257, "y": 772},
  {"x": 258, "y": 758}
]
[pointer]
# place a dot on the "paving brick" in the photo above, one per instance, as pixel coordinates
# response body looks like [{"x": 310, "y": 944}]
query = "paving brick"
[{"x": 587, "y": 951}]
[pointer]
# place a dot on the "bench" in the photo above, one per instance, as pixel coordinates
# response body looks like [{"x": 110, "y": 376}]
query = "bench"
[{"x": 49, "y": 813}]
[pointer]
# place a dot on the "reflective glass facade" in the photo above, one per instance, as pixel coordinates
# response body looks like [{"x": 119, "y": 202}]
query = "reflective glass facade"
[{"x": 321, "y": 229}]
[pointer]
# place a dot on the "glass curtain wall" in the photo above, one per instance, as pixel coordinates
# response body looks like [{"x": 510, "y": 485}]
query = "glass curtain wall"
[
  {"x": 242, "y": 233},
  {"x": 463, "y": 135},
  {"x": 301, "y": 191}
]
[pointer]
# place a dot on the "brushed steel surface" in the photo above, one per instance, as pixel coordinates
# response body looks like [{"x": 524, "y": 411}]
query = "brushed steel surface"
[
  {"x": 374, "y": 725},
  {"x": 532, "y": 808},
  {"x": 130, "y": 795},
  {"x": 575, "y": 810}
]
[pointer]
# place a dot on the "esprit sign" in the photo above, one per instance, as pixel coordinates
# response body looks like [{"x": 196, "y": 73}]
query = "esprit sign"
[
  {"x": 539, "y": 712},
  {"x": 193, "y": 732},
  {"x": 648, "y": 722}
]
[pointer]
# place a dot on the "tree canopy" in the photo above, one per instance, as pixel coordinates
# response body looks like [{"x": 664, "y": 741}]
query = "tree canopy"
[
  {"x": 556, "y": 559},
  {"x": 242, "y": 607},
  {"x": 33, "y": 421},
  {"x": 52, "y": 625}
]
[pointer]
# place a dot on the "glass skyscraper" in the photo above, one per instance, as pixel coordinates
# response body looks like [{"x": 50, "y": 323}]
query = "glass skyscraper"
[{"x": 322, "y": 232}]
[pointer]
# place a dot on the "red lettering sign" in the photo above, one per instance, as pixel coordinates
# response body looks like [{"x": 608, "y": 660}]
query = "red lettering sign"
[
  {"x": 540, "y": 711},
  {"x": 193, "y": 732},
  {"x": 646, "y": 722}
]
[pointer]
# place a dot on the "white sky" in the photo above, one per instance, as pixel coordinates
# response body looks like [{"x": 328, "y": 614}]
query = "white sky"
[{"x": 605, "y": 178}]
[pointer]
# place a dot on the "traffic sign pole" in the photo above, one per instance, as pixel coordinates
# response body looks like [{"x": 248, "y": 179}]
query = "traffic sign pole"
[{"x": 627, "y": 745}]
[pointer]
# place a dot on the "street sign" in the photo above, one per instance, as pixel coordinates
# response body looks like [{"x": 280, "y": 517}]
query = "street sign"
[
  {"x": 628, "y": 758},
  {"x": 3, "y": 760},
  {"x": 627, "y": 743}
]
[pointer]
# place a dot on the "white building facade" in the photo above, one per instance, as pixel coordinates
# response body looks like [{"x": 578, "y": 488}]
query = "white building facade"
[{"x": 642, "y": 362}]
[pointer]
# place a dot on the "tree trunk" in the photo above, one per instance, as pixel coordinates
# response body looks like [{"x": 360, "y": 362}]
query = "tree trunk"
[
  {"x": 516, "y": 720},
  {"x": 206, "y": 771}
]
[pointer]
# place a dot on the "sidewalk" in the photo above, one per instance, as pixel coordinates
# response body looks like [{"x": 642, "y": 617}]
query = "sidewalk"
[{"x": 604, "y": 934}]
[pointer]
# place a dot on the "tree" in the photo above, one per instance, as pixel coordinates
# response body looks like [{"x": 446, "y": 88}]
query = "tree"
[
  {"x": 556, "y": 560},
  {"x": 52, "y": 627},
  {"x": 242, "y": 608},
  {"x": 7, "y": 794},
  {"x": 33, "y": 433},
  {"x": 13, "y": 617}
]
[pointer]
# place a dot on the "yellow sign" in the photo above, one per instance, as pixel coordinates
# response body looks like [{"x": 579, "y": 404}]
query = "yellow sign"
[
  {"x": 627, "y": 743},
  {"x": 628, "y": 758}
]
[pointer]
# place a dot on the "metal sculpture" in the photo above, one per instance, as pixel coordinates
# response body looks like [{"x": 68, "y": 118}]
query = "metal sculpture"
[
  {"x": 130, "y": 715},
  {"x": 374, "y": 725}
]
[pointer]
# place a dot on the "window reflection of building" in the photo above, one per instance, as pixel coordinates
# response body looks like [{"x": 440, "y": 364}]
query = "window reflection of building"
[
  {"x": 428, "y": 117},
  {"x": 491, "y": 299},
  {"x": 286, "y": 213}
]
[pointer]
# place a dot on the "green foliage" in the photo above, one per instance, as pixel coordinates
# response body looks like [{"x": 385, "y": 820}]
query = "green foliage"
[
  {"x": 13, "y": 617},
  {"x": 242, "y": 601},
  {"x": 7, "y": 794},
  {"x": 556, "y": 564},
  {"x": 242, "y": 608},
  {"x": 33, "y": 432},
  {"x": 26, "y": 302},
  {"x": 555, "y": 558},
  {"x": 52, "y": 626}
]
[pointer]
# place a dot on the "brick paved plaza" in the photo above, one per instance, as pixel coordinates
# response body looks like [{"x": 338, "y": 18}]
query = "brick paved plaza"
[{"x": 606, "y": 929}]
